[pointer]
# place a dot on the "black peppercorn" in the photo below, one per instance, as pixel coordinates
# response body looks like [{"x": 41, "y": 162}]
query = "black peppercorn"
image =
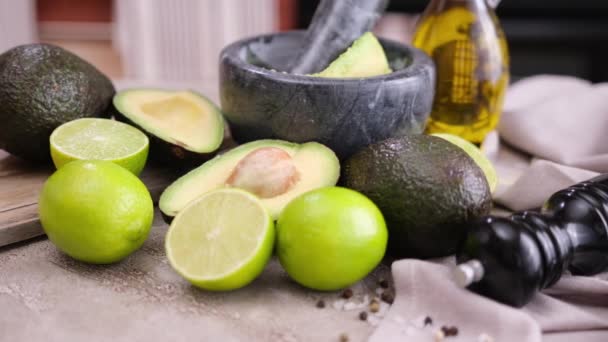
[
  {"x": 449, "y": 331},
  {"x": 387, "y": 297},
  {"x": 346, "y": 294}
]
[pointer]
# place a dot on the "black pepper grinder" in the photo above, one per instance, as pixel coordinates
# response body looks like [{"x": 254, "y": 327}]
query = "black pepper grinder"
[{"x": 509, "y": 259}]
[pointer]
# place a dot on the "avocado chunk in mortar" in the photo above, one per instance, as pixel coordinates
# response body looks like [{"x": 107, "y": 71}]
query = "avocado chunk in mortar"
[
  {"x": 183, "y": 126},
  {"x": 427, "y": 188},
  {"x": 274, "y": 170},
  {"x": 365, "y": 58}
]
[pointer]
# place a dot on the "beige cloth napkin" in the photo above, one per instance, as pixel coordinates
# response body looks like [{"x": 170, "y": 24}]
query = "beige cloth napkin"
[{"x": 553, "y": 133}]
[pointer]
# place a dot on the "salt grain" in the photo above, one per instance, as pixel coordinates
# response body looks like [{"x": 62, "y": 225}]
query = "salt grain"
[
  {"x": 374, "y": 321},
  {"x": 419, "y": 322},
  {"x": 439, "y": 335},
  {"x": 485, "y": 338},
  {"x": 399, "y": 319},
  {"x": 383, "y": 309},
  {"x": 351, "y": 306},
  {"x": 339, "y": 304}
]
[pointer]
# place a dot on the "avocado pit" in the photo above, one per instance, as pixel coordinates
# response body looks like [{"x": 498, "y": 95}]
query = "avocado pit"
[{"x": 266, "y": 172}]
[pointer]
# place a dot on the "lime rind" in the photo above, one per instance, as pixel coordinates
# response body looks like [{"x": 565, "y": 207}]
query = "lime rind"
[
  {"x": 477, "y": 155},
  {"x": 249, "y": 267}
]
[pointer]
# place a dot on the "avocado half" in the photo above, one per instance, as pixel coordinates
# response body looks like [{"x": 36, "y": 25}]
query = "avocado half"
[
  {"x": 183, "y": 126},
  {"x": 427, "y": 188},
  {"x": 276, "y": 171},
  {"x": 43, "y": 86}
]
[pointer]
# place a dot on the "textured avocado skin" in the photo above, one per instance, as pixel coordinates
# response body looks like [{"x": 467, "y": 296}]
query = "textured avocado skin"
[
  {"x": 41, "y": 87},
  {"x": 427, "y": 189}
]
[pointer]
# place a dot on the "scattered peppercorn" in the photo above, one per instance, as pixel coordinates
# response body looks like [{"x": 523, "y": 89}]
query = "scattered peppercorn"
[
  {"x": 449, "y": 331},
  {"x": 428, "y": 321},
  {"x": 388, "y": 297},
  {"x": 363, "y": 315},
  {"x": 343, "y": 337},
  {"x": 383, "y": 283},
  {"x": 346, "y": 294},
  {"x": 374, "y": 306},
  {"x": 321, "y": 304}
]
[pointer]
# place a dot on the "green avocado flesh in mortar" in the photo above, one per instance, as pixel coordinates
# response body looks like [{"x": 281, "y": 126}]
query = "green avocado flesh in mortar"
[
  {"x": 365, "y": 58},
  {"x": 182, "y": 125},
  {"x": 274, "y": 170},
  {"x": 427, "y": 188},
  {"x": 42, "y": 87}
]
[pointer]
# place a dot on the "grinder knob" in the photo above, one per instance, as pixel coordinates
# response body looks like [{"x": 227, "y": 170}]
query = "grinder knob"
[{"x": 501, "y": 260}]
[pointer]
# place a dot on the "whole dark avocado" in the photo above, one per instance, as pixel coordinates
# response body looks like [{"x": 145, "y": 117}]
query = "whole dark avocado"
[
  {"x": 427, "y": 189},
  {"x": 41, "y": 87}
]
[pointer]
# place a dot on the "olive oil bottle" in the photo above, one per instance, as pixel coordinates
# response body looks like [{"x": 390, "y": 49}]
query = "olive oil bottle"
[{"x": 468, "y": 46}]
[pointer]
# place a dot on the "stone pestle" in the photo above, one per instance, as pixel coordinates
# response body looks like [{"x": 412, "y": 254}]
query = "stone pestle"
[{"x": 336, "y": 24}]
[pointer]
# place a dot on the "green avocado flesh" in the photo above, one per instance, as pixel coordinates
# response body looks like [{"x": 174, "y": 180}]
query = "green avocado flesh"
[
  {"x": 276, "y": 171},
  {"x": 365, "y": 58},
  {"x": 183, "y": 120},
  {"x": 43, "y": 86},
  {"x": 427, "y": 188}
]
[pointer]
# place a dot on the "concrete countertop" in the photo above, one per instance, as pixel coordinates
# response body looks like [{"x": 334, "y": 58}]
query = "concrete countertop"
[{"x": 47, "y": 296}]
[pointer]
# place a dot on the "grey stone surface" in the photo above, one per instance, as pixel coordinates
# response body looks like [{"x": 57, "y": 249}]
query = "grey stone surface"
[{"x": 46, "y": 296}]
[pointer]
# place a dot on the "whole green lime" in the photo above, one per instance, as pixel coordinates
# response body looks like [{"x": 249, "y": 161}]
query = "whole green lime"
[
  {"x": 330, "y": 238},
  {"x": 95, "y": 211}
]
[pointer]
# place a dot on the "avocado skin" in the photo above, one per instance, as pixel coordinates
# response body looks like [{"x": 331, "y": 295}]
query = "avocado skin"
[
  {"x": 41, "y": 87},
  {"x": 427, "y": 189}
]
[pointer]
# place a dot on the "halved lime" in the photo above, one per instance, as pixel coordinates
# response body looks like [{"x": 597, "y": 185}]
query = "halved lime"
[
  {"x": 476, "y": 154},
  {"x": 222, "y": 240},
  {"x": 100, "y": 139}
]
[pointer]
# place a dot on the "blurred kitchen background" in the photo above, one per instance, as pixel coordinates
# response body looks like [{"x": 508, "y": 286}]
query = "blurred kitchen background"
[{"x": 179, "y": 40}]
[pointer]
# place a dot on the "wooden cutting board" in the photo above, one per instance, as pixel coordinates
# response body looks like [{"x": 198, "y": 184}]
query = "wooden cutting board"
[{"x": 20, "y": 186}]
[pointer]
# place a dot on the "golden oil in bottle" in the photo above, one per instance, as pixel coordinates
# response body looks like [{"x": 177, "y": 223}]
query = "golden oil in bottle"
[{"x": 468, "y": 46}]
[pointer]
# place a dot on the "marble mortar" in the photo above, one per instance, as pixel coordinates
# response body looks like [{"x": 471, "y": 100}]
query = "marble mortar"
[{"x": 261, "y": 102}]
